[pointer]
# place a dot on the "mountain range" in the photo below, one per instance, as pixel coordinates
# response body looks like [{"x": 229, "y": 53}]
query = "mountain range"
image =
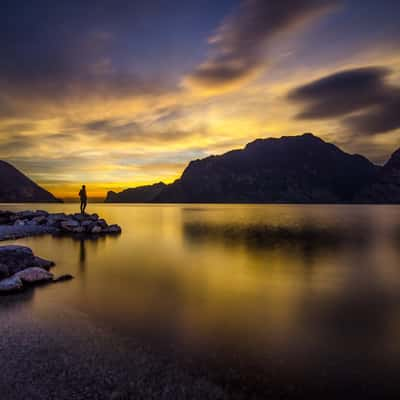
[
  {"x": 15, "y": 187},
  {"x": 291, "y": 169}
]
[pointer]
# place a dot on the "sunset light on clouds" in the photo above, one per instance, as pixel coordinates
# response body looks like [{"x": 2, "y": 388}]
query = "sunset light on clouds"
[{"x": 120, "y": 94}]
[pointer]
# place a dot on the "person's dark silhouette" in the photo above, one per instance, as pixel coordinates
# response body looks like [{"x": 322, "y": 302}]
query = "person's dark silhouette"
[{"x": 83, "y": 197}]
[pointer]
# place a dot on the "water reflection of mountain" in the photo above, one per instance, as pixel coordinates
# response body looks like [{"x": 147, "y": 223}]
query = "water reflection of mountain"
[{"x": 307, "y": 236}]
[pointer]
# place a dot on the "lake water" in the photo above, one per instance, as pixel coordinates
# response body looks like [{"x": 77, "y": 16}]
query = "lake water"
[{"x": 298, "y": 290}]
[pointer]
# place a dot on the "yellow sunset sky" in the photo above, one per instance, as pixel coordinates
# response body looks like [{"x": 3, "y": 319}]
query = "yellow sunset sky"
[{"x": 132, "y": 100}]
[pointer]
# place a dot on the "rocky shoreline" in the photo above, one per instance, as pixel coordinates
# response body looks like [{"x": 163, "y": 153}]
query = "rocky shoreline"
[
  {"x": 15, "y": 225},
  {"x": 20, "y": 268}
]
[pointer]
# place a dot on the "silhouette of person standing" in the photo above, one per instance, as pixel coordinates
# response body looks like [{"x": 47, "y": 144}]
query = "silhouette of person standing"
[{"x": 83, "y": 197}]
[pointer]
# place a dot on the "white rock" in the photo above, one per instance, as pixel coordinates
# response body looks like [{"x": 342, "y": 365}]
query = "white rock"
[
  {"x": 11, "y": 284},
  {"x": 19, "y": 222},
  {"x": 96, "y": 229},
  {"x": 35, "y": 274}
]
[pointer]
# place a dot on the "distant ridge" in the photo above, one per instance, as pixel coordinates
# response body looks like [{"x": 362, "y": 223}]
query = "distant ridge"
[
  {"x": 385, "y": 188},
  {"x": 15, "y": 187},
  {"x": 140, "y": 194},
  {"x": 290, "y": 169}
]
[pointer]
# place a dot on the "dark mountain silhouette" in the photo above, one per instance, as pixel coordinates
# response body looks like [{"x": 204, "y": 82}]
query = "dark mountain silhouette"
[
  {"x": 15, "y": 187},
  {"x": 385, "y": 188},
  {"x": 299, "y": 169},
  {"x": 293, "y": 169},
  {"x": 141, "y": 194}
]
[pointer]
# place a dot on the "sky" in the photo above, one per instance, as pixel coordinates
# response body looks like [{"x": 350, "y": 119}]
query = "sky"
[{"x": 116, "y": 94}]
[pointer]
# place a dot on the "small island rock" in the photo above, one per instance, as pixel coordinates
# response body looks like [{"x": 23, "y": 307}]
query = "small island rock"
[{"x": 19, "y": 224}]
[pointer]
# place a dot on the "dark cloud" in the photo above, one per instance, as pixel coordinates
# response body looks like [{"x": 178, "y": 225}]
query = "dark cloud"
[
  {"x": 111, "y": 129},
  {"x": 168, "y": 115},
  {"x": 54, "y": 137},
  {"x": 117, "y": 131},
  {"x": 99, "y": 125},
  {"x": 382, "y": 118},
  {"x": 361, "y": 97},
  {"x": 341, "y": 93},
  {"x": 42, "y": 165},
  {"x": 27, "y": 91},
  {"x": 18, "y": 143},
  {"x": 70, "y": 50},
  {"x": 17, "y": 127},
  {"x": 241, "y": 40}
]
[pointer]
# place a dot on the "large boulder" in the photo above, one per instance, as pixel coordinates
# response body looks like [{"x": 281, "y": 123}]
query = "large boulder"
[
  {"x": 19, "y": 266},
  {"x": 26, "y": 214},
  {"x": 102, "y": 223},
  {"x": 4, "y": 271},
  {"x": 69, "y": 225},
  {"x": 40, "y": 220},
  {"x": 42, "y": 213},
  {"x": 7, "y": 217},
  {"x": 96, "y": 229},
  {"x": 57, "y": 216},
  {"x": 43, "y": 263},
  {"x": 20, "y": 222},
  {"x": 15, "y": 258},
  {"x": 11, "y": 284},
  {"x": 55, "y": 220},
  {"x": 94, "y": 217},
  {"x": 34, "y": 275},
  {"x": 114, "y": 229},
  {"x": 88, "y": 223}
]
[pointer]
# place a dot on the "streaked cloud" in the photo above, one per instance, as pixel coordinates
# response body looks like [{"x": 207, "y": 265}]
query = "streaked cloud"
[
  {"x": 114, "y": 130},
  {"x": 368, "y": 103},
  {"x": 240, "y": 45}
]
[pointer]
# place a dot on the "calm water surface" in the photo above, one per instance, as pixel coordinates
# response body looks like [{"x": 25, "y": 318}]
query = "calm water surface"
[{"x": 300, "y": 286}]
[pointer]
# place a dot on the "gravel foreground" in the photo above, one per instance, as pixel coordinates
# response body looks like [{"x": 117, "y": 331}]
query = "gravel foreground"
[
  {"x": 70, "y": 358},
  {"x": 61, "y": 355}
]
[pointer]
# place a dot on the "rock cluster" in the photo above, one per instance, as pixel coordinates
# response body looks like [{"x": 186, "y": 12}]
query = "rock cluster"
[
  {"x": 14, "y": 259},
  {"x": 58, "y": 222},
  {"x": 19, "y": 268}
]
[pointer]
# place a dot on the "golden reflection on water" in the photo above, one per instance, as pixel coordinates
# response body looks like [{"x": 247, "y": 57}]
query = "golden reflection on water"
[{"x": 256, "y": 279}]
